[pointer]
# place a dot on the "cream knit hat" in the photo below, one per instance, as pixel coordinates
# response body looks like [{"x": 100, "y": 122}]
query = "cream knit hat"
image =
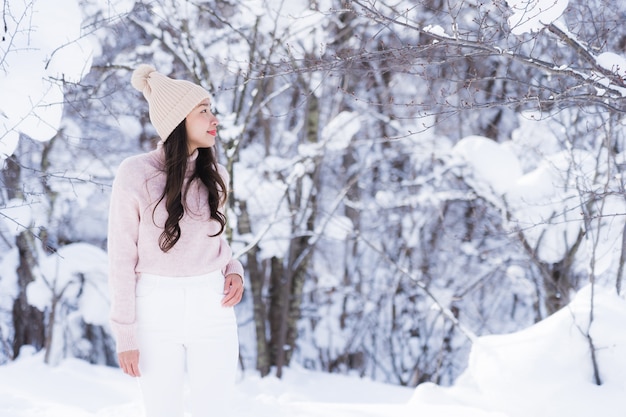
[{"x": 169, "y": 100}]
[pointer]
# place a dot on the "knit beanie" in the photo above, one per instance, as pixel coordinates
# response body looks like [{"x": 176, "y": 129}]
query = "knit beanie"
[{"x": 169, "y": 100}]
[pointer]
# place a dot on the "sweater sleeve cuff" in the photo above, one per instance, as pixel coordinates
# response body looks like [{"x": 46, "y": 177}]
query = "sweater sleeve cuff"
[
  {"x": 125, "y": 337},
  {"x": 234, "y": 267}
]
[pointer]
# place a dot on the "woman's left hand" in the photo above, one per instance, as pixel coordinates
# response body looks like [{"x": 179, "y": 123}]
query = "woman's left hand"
[{"x": 233, "y": 290}]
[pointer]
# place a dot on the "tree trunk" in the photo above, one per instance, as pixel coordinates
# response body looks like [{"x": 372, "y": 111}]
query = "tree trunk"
[
  {"x": 558, "y": 280},
  {"x": 278, "y": 291},
  {"x": 300, "y": 253},
  {"x": 49, "y": 330},
  {"x": 28, "y": 322},
  {"x": 255, "y": 281}
]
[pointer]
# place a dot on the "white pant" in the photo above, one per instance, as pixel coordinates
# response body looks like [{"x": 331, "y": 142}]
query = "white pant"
[{"x": 183, "y": 326}]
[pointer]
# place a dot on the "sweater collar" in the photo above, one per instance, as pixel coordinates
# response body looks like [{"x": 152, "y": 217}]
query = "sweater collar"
[
  {"x": 193, "y": 156},
  {"x": 191, "y": 159}
]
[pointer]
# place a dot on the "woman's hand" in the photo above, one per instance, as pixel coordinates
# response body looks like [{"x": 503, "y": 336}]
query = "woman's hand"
[
  {"x": 233, "y": 290},
  {"x": 129, "y": 362}
]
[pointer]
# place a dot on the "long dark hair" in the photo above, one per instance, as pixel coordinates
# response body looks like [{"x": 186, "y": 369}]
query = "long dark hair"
[{"x": 176, "y": 154}]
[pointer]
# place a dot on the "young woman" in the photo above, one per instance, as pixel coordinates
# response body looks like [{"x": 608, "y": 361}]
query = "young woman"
[{"x": 172, "y": 277}]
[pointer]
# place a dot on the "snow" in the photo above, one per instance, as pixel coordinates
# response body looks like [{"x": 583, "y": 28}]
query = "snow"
[
  {"x": 539, "y": 198},
  {"x": 612, "y": 62},
  {"x": 533, "y": 15},
  {"x": 530, "y": 16},
  {"x": 338, "y": 133},
  {"x": 491, "y": 161},
  {"x": 107, "y": 9},
  {"x": 8, "y": 142},
  {"x": 543, "y": 202},
  {"x": 256, "y": 182},
  {"x": 46, "y": 46},
  {"x": 338, "y": 228},
  {"x": 61, "y": 269},
  {"x": 542, "y": 371},
  {"x": 16, "y": 216},
  {"x": 436, "y": 30}
]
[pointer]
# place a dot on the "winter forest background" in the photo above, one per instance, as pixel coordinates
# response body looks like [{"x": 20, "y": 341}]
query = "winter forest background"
[{"x": 406, "y": 175}]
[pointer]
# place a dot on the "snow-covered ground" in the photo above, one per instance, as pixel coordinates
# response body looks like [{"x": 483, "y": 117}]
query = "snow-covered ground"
[{"x": 543, "y": 371}]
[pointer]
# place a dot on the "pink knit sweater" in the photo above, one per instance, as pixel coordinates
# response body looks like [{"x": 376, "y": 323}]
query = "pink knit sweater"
[{"x": 133, "y": 237}]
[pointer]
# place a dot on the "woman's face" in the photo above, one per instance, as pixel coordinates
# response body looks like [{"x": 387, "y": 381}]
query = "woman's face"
[{"x": 201, "y": 127}]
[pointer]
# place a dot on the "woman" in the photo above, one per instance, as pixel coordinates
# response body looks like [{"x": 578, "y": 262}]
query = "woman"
[{"x": 172, "y": 276}]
